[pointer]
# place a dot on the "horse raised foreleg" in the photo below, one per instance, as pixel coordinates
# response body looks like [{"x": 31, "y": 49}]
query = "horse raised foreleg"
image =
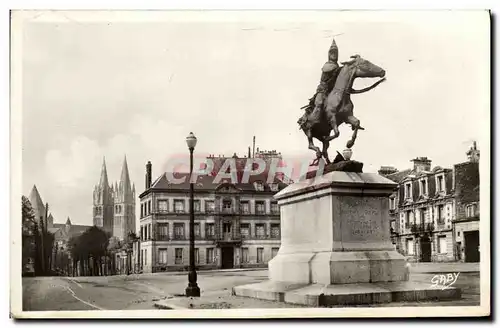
[
  {"x": 313, "y": 147},
  {"x": 356, "y": 125}
]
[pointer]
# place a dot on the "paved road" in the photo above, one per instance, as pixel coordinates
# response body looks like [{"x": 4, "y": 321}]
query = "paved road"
[{"x": 137, "y": 292}]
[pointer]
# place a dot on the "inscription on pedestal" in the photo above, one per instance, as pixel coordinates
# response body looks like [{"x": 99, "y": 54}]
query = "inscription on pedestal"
[{"x": 361, "y": 218}]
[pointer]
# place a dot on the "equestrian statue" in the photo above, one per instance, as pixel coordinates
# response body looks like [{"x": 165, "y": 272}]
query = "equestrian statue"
[{"x": 331, "y": 105}]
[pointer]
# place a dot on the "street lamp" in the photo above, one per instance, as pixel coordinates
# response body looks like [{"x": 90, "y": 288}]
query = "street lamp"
[{"x": 192, "y": 289}]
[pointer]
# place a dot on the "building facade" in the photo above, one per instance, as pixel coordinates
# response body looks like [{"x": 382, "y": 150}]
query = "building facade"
[
  {"x": 114, "y": 205},
  {"x": 432, "y": 210},
  {"x": 466, "y": 226},
  {"x": 237, "y": 225}
]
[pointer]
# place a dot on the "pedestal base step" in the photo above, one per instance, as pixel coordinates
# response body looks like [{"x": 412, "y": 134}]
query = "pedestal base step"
[{"x": 317, "y": 295}]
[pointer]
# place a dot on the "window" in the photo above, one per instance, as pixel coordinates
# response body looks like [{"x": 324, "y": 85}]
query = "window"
[
  {"x": 440, "y": 214},
  {"x": 275, "y": 230},
  {"x": 179, "y": 230},
  {"x": 260, "y": 255},
  {"x": 178, "y": 256},
  {"x": 423, "y": 187},
  {"x": 197, "y": 205},
  {"x": 393, "y": 225},
  {"x": 196, "y": 255},
  {"x": 409, "y": 247},
  {"x": 259, "y": 186},
  {"x": 210, "y": 255},
  {"x": 245, "y": 230},
  {"x": 162, "y": 231},
  {"x": 142, "y": 258},
  {"x": 275, "y": 209},
  {"x": 408, "y": 190},
  {"x": 179, "y": 206},
  {"x": 227, "y": 205},
  {"x": 149, "y": 207},
  {"x": 245, "y": 207},
  {"x": 442, "y": 244},
  {"x": 440, "y": 183},
  {"x": 209, "y": 206},
  {"x": 145, "y": 257},
  {"x": 259, "y": 207},
  {"x": 260, "y": 230},
  {"x": 392, "y": 203},
  {"x": 163, "y": 205},
  {"x": 274, "y": 186},
  {"x": 470, "y": 210},
  {"x": 210, "y": 230},
  {"x": 197, "y": 230},
  {"x": 162, "y": 256},
  {"x": 142, "y": 210},
  {"x": 274, "y": 251},
  {"x": 408, "y": 218},
  {"x": 244, "y": 255},
  {"x": 423, "y": 214}
]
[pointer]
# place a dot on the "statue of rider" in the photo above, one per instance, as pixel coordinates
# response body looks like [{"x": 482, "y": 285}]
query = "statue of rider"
[{"x": 328, "y": 74}]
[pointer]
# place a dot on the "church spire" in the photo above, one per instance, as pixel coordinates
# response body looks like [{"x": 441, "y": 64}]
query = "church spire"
[
  {"x": 125, "y": 180},
  {"x": 103, "y": 182}
]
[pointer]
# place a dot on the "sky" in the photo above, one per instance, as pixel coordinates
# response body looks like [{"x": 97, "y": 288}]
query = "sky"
[{"x": 96, "y": 86}]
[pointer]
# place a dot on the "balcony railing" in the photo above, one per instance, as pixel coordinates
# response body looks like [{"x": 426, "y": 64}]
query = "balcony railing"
[
  {"x": 422, "y": 227},
  {"x": 232, "y": 236}
]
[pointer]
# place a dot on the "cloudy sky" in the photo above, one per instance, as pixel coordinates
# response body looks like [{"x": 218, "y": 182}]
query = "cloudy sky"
[{"x": 95, "y": 86}]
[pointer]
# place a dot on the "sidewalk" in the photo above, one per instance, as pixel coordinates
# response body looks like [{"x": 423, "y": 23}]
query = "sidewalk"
[{"x": 443, "y": 267}]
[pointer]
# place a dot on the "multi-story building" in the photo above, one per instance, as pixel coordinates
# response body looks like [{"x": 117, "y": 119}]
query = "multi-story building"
[
  {"x": 236, "y": 225},
  {"x": 430, "y": 209},
  {"x": 114, "y": 206},
  {"x": 466, "y": 227}
]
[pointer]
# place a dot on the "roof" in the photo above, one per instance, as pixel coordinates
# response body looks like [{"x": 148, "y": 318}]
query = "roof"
[
  {"x": 36, "y": 201},
  {"x": 209, "y": 183},
  {"x": 62, "y": 231},
  {"x": 399, "y": 176}
]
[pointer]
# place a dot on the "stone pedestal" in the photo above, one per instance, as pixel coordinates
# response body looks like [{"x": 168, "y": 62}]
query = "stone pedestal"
[{"x": 336, "y": 248}]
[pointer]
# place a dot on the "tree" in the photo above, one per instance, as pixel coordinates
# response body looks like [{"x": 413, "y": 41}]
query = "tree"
[
  {"x": 88, "y": 251},
  {"x": 129, "y": 243},
  {"x": 28, "y": 234},
  {"x": 115, "y": 245}
]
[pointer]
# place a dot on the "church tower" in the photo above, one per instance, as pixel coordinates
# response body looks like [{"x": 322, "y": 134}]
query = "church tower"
[
  {"x": 124, "y": 202},
  {"x": 103, "y": 202},
  {"x": 37, "y": 205}
]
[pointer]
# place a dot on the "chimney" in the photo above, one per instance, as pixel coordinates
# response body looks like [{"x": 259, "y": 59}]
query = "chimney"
[
  {"x": 249, "y": 153},
  {"x": 253, "y": 152},
  {"x": 386, "y": 170},
  {"x": 473, "y": 153},
  {"x": 421, "y": 164},
  {"x": 148, "y": 175}
]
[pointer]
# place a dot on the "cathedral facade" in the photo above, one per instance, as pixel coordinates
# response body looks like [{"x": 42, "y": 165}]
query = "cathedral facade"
[{"x": 114, "y": 205}]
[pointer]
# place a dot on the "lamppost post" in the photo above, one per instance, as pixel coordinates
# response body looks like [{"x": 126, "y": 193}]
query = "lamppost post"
[{"x": 192, "y": 289}]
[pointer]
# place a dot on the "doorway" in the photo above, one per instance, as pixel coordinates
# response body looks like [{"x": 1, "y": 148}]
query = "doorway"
[
  {"x": 425, "y": 249},
  {"x": 227, "y": 257},
  {"x": 471, "y": 246}
]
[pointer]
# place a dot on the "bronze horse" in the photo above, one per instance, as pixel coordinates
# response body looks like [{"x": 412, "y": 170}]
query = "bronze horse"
[{"x": 338, "y": 106}]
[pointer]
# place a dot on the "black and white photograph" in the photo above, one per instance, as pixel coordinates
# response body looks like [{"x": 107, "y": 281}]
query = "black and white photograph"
[{"x": 250, "y": 164}]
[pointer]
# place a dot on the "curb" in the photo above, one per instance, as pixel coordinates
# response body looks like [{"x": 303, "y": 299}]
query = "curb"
[{"x": 167, "y": 306}]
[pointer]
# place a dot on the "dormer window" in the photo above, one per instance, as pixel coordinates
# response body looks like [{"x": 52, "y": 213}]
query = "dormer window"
[
  {"x": 259, "y": 186},
  {"x": 392, "y": 203},
  {"x": 440, "y": 186},
  {"x": 408, "y": 190},
  {"x": 423, "y": 187},
  {"x": 274, "y": 186},
  {"x": 470, "y": 210}
]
